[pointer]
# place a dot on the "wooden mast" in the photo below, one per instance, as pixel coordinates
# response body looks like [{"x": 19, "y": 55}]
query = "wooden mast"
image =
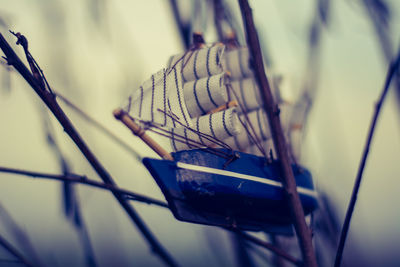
[{"x": 121, "y": 115}]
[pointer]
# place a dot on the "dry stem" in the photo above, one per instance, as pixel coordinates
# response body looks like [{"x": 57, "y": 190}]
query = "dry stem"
[
  {"x": 98, "y": 125},
  {"x": 346, "y": 225},
  {"x": 272, "y": 110},
  {"x": 49, "y": 99},
  {"x": 74, "y": 178}
]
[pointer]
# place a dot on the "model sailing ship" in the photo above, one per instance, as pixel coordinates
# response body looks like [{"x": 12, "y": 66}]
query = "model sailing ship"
[{"x": 206, "y": 101}]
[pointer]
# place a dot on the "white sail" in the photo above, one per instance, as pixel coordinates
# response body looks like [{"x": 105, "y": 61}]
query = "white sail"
[
  {"x": 205, "y": 94},
  {"x": 200, "y": 63},
  {"x": 180, "y": 97},
  {"x": 160, "y": 100},
  {"x": 207, "y": 130}
]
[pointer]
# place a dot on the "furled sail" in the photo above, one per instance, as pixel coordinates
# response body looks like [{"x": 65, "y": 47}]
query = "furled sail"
[
  {"x": 205, "y": 94},
  {"x": 205, "y": 89},
  {"x": 254, "y": 129},
  {"x": 200, "y": 63},
  {"x": 190, "y": 102},
  {"x": 243, "y": 88},
  {"x": 231, "y": 79},
  {"x": 182, "y": 98},
  {"x": 209, "y": 130}
]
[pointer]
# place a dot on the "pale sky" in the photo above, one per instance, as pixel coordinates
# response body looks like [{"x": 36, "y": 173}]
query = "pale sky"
[{"x": 97, "y": 66}]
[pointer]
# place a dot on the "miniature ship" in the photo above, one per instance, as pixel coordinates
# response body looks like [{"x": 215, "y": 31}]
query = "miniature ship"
[{"x": 207, "y": 103}]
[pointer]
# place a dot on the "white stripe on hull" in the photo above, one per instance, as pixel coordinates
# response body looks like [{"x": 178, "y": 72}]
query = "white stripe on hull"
[{"x": 300, "y": 190}]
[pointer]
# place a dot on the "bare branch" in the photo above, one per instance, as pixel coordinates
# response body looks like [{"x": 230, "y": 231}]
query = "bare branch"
[
  {"x": 70, "y": 198},
  {"x": 272, "y": 110},
  {"x": 184, "y": 28},
  {"x": 346, "y": 225},
  {"x": 381, "y": 17},
  {"x": 98, "y": 125},
  {"x": 49, "y": 99},
  {"x": 218, "y": 17},
  {"x": 225, "y": 24},
  {"x": 74, "y": 178}
]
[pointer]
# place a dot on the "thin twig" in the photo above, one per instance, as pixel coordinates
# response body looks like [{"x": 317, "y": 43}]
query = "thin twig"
[
  {"x": 272, "y": 110},
  {"x": 252, "y": 134},
  {"x": 10, "y": 248},
  {"x": 281, "y": 253},
  {"x": 218, "y": 18},
  {"x": 184, "y": 28},
  {"x": 225, "y": 24},
  {"x": 380, "y": 15},
  {"x": 74, "y": 178},
  {"x": 98, "y": 125},
  {"x": 277, "y": 261},
  {"x": 52, "y": 104},
  {"x": 346, "y": 225},
  {"x": 309, "y": 88},
  {"x": 83, "y": 232},
  {"x": 70, "y": 197}
]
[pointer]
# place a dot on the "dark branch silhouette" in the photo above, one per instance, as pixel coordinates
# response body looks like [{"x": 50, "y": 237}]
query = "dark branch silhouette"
[
  {"x": 49, "y": 99},
  {"x": 242, "y": 255},
  {"x": 70, "y": 197},
  {"x": 280, "y": 252},
  {"x": 98, "y": 125},
  {"x": 346, "y": 225},
  {"x": 22, "y": 239},
  {"x": 272, "y": 110},
  {"x": 10, "y": 248},
  {"x": 381, "y": 16},
  {"x": 225, "y": 24},
  {"x": 184, "y": 27},
  {"x": 73, "y": 178}
]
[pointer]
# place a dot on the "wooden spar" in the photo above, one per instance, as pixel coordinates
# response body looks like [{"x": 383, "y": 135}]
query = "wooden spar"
[
  {"x": 229, "y": 104},
  {"x": 121, "y": 115},
  {"x": 198, "y": 40}
]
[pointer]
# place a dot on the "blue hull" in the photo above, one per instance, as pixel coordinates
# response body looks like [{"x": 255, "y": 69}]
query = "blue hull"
[{"x": 246, "y": 193}]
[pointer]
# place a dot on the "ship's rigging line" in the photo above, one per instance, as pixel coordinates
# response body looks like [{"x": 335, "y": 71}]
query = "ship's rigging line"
[
  {"x": 233, "y": 25},
  {"x": 247, "y": 125},
  {"x": 254, "y": 138},
  {"x": 192, "y": 143},
  {"x": 171, "y": 134},
  {"x": 228, "y": 18},
  {"x": 207, "y": 149},
  {"x": 204, "y": 135},
  {"x": 191, "y": 51}
]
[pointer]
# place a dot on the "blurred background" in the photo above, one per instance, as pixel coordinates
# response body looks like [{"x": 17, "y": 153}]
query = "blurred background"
[{"x": 332, "y": 57}]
